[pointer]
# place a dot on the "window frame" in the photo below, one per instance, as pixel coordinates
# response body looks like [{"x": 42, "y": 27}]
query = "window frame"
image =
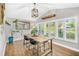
[
  {"x": 76, "y": 31},
  {"x": 43, "y": 30},
  {"x": 56, "y": 26},
  {"x": 50, "y": 30},
  {"x": 63, "y": 29}
]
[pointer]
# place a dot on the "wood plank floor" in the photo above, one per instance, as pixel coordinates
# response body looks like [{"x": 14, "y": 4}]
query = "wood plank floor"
[
  {"x": 61, "y": 51},
  {"x": 18, "y": 49}
]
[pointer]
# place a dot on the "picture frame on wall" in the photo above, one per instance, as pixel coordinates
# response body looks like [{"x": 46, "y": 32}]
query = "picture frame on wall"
[{"x": 23, "y": 25}]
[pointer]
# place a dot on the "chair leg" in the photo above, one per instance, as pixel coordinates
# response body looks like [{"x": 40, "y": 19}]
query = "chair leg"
[
  {"x": 40, "y": 50},
  {"x": 29, "y": 47},
  {"x": 32, "y": 51},
  {"x": 44, "y": 47},
  {"x": 23, "y": 42},
  {"x": 37, "y": 48}
]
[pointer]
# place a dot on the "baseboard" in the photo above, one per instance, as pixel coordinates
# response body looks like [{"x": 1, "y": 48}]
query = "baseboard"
[
  {"x": 66, "y": 46},
  {"x": 4, "y": 49}
]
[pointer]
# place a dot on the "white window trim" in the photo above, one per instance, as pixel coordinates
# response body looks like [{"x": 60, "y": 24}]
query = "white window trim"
[
  {"x": 65, "y": 39},
  {"x": 69, "y": 40},
  {"x": 63, "y": 20},
  {"x": 50, "y": 30}
]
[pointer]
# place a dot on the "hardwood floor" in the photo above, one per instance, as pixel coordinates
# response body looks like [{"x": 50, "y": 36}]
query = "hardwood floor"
[
  {"x": 18, "y": 49},
  {"x": 61, "y": 51}
]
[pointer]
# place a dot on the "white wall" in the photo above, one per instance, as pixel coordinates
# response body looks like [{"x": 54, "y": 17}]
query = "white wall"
[
  {"x": 2, "y": 41},
  {"x": 7, "y": 31}
]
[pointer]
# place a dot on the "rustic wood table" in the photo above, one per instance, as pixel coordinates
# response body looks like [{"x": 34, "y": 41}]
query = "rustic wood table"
[{"x": 41, "y": 40}]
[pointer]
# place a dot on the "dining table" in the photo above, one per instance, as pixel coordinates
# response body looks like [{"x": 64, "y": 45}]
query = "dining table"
[{"x": 42, "y": 40}]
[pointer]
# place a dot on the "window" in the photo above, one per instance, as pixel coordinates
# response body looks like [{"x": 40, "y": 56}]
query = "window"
[
  {"x": 60, "y": 29},
  {"x": 70, "y": 29},
  {"x": 41, "y": 29},
  {"x": 65, "y": 29},
  {"x": 52, "y": 29},
  {"x": 46, "y": 29}
]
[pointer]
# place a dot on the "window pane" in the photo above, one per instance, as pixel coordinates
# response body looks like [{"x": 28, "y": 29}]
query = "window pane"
[
  {"x": 70, "y": 29},
  {"x": 46, "y": 29},
  {"x": 41, "y": 29},
  {"x": 60, "y": 29},
  {"x": 52, "y": 28}
]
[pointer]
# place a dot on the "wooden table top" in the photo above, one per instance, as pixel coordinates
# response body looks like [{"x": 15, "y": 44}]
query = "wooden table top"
[{"x": 39, "y": 39}]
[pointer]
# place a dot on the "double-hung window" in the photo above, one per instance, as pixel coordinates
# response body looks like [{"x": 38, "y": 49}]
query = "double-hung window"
[
  {"x": 52, "y": 29},
  {"x": 71, "y": 29}
]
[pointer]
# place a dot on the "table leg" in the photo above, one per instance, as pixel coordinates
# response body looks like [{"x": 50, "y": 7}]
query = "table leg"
[
  {"x": 37, "y": 49},
  {"x": 51, "y": 47},
  {"x": 44, "y": 46}
]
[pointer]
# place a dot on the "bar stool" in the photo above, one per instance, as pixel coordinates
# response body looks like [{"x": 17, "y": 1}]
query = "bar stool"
[
  {"x": 41, "y": 48},
  {"x": 26, "y": 41},
  {"x": 33, "y": 46}
]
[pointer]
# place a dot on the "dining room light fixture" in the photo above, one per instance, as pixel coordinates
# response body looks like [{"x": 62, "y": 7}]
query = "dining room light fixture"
[{"x": 34, "y": 11}]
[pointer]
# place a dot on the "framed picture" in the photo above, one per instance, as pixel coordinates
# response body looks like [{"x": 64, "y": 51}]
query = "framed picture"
[{"x": 23, "y": 25}]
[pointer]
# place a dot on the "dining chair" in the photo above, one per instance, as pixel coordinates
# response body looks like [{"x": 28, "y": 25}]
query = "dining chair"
[
  {"x": 26, "y": 41},
  {"x": 33, "y": 46}
]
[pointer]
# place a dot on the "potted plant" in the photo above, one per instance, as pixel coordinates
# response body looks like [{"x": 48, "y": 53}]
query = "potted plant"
[{"x": 34, "y": 32}]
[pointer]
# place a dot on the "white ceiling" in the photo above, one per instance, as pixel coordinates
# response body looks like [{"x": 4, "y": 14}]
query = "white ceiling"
[{"x": 22, "y": 11}]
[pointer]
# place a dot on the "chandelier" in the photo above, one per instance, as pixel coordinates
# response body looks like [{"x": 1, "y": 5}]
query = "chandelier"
[{"x": 34, "y": 11}]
